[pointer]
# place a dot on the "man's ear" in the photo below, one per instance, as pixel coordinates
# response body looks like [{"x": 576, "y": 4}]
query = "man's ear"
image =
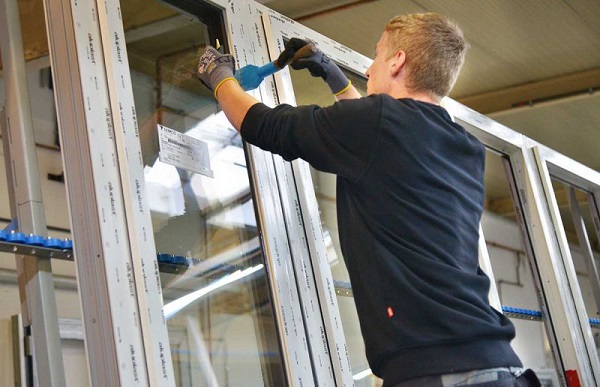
[{"x": 397, "y": 62}]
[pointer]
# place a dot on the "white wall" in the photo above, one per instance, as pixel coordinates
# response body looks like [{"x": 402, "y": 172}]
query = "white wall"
[
  {"x": 6, "y": 360},
  {"x": 530, "y": 343},
  {"x": 41, "y": 98}
]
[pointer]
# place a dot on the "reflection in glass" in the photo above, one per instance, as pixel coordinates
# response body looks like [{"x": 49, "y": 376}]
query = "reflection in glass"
[{"x": 216, "y": 295}]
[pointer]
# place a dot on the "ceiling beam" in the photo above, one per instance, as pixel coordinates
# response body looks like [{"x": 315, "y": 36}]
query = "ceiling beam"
[
  {"x": 331, "y": 10},
  {"x": 525, "y": 94},
  {"x": 158, "y": 27}
]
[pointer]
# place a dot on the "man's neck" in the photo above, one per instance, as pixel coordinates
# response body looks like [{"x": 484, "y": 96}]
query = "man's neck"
[
  {"x": 424, "y": 97},
  {"x": 402, "y": 92}
]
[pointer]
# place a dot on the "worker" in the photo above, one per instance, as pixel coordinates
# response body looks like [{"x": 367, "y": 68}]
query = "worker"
[{"x": 410, "y": 196}]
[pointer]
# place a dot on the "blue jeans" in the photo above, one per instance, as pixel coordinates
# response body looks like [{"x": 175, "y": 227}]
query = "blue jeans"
[{"x": 494, "y": 377}]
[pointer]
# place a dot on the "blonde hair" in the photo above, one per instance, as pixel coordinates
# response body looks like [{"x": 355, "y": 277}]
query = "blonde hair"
[{"x": 435, "y": 50}]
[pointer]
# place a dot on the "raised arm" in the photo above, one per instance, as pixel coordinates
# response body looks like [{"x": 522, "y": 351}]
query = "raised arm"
[
  {"x": 349, "y": 93},
  {"x": 235, "y": 102},
  {"x": 215, "y": 71}
]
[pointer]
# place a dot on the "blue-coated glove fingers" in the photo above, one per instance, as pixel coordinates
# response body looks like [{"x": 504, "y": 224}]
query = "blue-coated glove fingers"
[
  {"x": 319, "y": 65},
  {"x": 215, "y": 68},
  {"x": 316, "y": 64}
]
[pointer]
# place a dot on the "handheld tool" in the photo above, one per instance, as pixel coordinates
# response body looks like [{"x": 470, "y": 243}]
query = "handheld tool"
[{"x": 250, "y": 76}]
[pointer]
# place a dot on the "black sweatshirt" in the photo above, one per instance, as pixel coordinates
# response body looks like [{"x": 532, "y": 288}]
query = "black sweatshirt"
[{"x": 409, "y": 200}]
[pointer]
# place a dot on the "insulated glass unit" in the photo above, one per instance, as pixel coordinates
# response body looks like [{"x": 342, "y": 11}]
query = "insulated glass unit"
[{"x": 217, "y": 299}]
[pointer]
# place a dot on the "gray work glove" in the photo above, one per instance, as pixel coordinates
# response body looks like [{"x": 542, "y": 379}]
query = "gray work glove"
[
  {"x": 319, "y": 65},
  {"x": 214, "y": 68}
]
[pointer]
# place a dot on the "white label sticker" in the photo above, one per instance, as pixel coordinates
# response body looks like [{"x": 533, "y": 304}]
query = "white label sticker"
[{"x": 183, "y": 151}]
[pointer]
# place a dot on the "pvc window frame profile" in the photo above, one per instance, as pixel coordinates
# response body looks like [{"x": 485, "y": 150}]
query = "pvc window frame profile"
[
  {"x": 301, "y": 207},
  {"x": 116, "y": 312},
  {"x": 585, "y": 363}
]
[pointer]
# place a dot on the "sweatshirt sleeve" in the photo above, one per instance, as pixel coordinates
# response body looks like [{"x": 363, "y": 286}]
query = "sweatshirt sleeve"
[{"x": 338, "y": 139}]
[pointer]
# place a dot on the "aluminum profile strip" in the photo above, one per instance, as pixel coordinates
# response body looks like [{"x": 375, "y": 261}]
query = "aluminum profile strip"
[
  {"x": 303, "y": 212},
  {"x": 103, "y": 260},
  {"x": 27, "y": 191},
  {"x": 281, "y": 274},
  {"x": 246, "y": 37},
  {"x": 137, "y": 214},
  {"x": 12, "y": 202}
]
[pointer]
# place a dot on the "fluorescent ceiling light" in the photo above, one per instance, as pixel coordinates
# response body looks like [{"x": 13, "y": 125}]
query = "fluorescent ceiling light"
[
  {"x": 175, "y": 306},
  {"x": 241, "y": 215}
]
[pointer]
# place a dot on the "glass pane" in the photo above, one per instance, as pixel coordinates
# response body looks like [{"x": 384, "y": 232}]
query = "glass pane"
[
  {"x": 514, "y": 279},
  {"x": 216, "y": 295}
]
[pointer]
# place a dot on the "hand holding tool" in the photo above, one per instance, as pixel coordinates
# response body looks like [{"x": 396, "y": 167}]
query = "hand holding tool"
[
  {"x": 214, "y": 68},
  {"x": 320, "y": 65},
  {"x": 251, "y": 76}
]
